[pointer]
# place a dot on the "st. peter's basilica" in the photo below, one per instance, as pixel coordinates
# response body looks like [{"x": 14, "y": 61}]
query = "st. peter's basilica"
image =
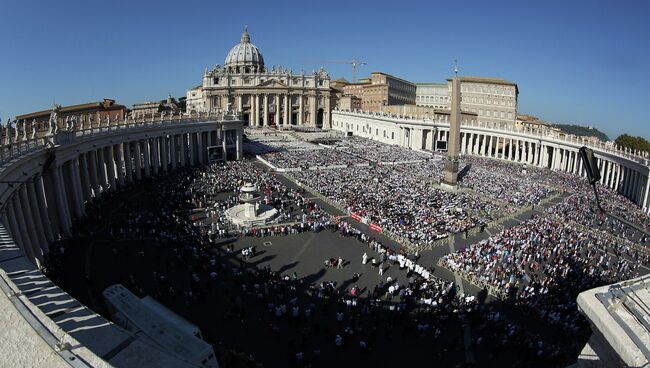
[{"x": 276, "y": 97}]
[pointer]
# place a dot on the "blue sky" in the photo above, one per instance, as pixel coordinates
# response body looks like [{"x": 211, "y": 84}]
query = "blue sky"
[{"x": 584, "y": 62}]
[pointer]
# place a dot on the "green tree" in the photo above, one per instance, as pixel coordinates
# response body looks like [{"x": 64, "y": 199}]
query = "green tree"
[{"x": 635, "y": 143}]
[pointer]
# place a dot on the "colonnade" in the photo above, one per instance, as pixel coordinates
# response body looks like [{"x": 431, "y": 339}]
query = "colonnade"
[
  {"x": 43, "y": 206},
  {"x": 629, "y": 176}
]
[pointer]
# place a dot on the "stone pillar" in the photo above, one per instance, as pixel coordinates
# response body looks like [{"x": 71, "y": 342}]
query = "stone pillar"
[
  {"x": 61, "y": 201},
  {"x": 30, "y": 197},
  {"x": 191, "y": 149},
  {"x": 119, "y": 160},
  {"x": 290, "y": 112},
  {"x": 40, "y": 209},
  {"x": 181, "y": 149},
  {"x": 93, "y": 172},
  {"x": 301, "y": 113},
  {"x": 147, "y": 158},
  {"x": 39, "y": 187},
  {"x": 138, "y": 160},
  {"x": 173, "y": 146},
  {"x": 463, "y": 143},
  {"x": 32, "y": 230},
  {"x": 517, "y": 152},
  {"x": 617, "y": 172},
  {"x": 101, "y": 164},
  {"x": 85, "y": 177},
  {"x": 286, "y": 111},
  {"x": 644, "y": 203},
  {"x": 16, "y": 231},
  {"x": 257, "y": 113},
  {"x": 201, "y": 148},
  {"x": 164, "y": 154},
  {"x": 266, "y": 110},
  {"x": 277, "y": 110},
  {"x": 223, "y": 144},
  {"x": 240, "y": 106},
  {"x": 155, "y": 157},
  {"x": 312, "y": 110},
  {"x": 75, "y": 188},
  {"x": 239, "y": 145},
  {"x": 110, "y": 166},
  {"x": 490, "y": 146},
  {"x": 128, "y": 164}
]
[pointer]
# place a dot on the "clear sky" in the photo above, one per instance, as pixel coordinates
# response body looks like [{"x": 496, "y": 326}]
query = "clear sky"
[{"x": 584, "y": 62}]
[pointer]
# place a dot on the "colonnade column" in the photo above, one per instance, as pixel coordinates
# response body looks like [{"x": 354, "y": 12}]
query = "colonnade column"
[
  {"x": 33, "y": 188},
  {"x": 173, "y": 146},
  {"x": 201, "y": 149},
  {"x": 86, "y": 185},
  {"x": 43, "y": 204},
  {"x": 75, "y": 188},
  {"x": 490, "y": 146},
  {"x": 92, "y": 157},
  {"x": 154, "y": 155},
  {"x": 61, "y": 201},
  {"x": 110, "y": 166},
  {"x": 101, "y": 164},
  {"x": 32, "y": 230},
  {"x": 16, "y": 230},
  {"x": 128, "y": 164},
  {"x": 118, "y": 153},
  {"x": 181, "y": 149},
  {"x": 138, "y": 160},
  {"x": 147, "y": 158},
  {"x": 30, "y": 196},
  {"x": 164, "y": 144}
]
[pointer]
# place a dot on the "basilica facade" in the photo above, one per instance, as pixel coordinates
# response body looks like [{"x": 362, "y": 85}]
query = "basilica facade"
[{"x": 266, "y": 97}]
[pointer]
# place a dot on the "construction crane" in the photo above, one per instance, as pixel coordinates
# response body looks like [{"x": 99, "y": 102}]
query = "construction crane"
[{"x": 354, "y": 64}]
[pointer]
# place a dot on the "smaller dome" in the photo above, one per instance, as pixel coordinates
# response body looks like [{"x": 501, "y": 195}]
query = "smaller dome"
[{"x": 245, "y": 54}]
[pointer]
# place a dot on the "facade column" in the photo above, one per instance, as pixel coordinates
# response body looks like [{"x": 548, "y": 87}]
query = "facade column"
[
  {"x": 137, "y": 157},
  {"x": 128, "y": 164},
  {"x": 147, "y": 158},
  {"x": 617, "y": 180},
  {"x": 301, "y": 114},
  {"x": 623, "y": 180},
  {"x": 240, "y": 104},
  {"x": 286, "y": 111},
  {"x": 119, "y": 160},
  {"x": 290, "y": 112},
  {"x": 277, "y": 110},
  {"x": 266, "y": 110},
  {"x": 462, "y": 143},
  {"x": 257, "y": 113},
  {"x": 554, "y": 159},
  {"x": 312, "y": 110},
  {"x": 517, "y": 152}
]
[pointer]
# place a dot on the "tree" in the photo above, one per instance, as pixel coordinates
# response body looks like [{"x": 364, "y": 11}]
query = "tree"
[{"x": 635, "y": 143}]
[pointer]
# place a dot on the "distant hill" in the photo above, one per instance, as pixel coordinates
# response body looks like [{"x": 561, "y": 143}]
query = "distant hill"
[{"x": 582, "y": 131}]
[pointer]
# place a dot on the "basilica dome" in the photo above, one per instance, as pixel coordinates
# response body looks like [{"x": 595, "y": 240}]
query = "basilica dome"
[{"x": 244, "y": 57}]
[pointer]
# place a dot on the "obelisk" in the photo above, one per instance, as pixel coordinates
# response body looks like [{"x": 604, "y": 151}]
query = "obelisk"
[{"x": 450, "y": 179}]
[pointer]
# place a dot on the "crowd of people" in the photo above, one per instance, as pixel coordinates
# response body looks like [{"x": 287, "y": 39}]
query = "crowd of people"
[
  {"x": 395, "y": 198},
  {"x": 545, "y": 262},
  {"x": 378, "y": 152},
  {"x": 176, "y": 215},
  {"x": 305, "y": 159}
]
